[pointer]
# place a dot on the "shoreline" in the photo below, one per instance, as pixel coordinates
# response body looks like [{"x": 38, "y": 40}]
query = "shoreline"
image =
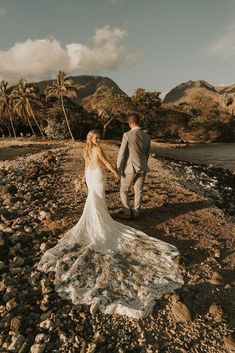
[
  {"x": 216, "y": 183},
  {"x": 39, "y": 204}
]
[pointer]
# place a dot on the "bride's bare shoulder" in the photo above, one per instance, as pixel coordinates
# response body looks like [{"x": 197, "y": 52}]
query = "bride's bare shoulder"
[{"x": 98, "y": 149}]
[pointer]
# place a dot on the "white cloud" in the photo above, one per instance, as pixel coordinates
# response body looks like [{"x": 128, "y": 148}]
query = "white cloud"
[
  {"x": 108, "y": 51},
  {"x": 224, "y": 46},
  {"x": 42, "y": 58},
  {"x": 2, "y": 11},
  {"x": 33, "y": 59}
]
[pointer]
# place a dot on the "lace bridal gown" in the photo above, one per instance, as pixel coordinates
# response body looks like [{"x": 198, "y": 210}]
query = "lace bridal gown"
[{"x": 108, "y": 265}]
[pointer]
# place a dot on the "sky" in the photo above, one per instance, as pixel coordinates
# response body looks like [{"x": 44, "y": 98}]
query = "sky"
[{"x": 152, "y": 44}]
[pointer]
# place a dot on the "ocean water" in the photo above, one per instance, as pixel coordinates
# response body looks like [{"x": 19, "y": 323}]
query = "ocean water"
[
  {"x": 217, "y": 154},
  {"x": 13, "y": 152}
]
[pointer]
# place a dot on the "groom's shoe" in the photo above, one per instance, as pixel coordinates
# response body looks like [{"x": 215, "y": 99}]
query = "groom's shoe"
[{"x": 123, "y": 215}]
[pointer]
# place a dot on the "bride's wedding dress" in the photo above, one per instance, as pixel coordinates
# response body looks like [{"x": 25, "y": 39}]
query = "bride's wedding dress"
[{"x": 108, "y": 265}]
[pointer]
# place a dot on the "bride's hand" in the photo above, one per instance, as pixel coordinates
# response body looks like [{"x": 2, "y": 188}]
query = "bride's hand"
[{"x": 117, "y": 175}]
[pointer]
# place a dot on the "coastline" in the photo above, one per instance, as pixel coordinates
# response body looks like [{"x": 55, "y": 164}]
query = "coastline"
[
  {"x": 39, "y": 203},
  {"x": 169, "y": 144},
  {"x": 215, "y": 183}
]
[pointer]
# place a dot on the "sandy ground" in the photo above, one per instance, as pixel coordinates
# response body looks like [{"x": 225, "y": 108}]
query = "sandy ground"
[{"x": 198, "y": 318}]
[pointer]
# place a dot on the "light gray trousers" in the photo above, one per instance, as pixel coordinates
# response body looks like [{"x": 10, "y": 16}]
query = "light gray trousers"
[{"x": 137, "y": 180}]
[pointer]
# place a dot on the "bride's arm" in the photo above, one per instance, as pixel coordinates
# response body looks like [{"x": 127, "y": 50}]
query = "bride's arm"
[{"x": 104, "y": 160}]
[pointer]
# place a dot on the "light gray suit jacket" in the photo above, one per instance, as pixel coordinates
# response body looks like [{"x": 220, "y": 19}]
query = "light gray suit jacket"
[{"x": 134, "y": 152}]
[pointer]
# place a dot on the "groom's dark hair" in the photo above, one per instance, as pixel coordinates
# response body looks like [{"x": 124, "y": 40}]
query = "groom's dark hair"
[{"x": 134, "y": 119}]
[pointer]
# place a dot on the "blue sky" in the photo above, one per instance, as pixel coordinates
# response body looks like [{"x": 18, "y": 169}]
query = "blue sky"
[{"x": 153, "y": 44}]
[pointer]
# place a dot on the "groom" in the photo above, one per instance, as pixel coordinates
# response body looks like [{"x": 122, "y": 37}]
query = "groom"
[{"x": 132, "y": 163}]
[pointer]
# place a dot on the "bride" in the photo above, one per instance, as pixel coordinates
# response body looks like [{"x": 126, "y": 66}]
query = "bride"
[{"x": 105, "y": 264}]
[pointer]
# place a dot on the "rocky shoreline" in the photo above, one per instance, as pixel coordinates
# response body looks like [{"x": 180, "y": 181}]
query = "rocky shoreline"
[
  {"x": 42, "y": 196},
  {"x": 215, "y": 183}
]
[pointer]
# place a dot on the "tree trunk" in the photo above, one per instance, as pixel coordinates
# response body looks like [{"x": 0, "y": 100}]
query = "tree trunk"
[
  {"x": 9, "y": 131},
  {"x": 41, "y": 132},
  {"x": 11, "y": 121},
  {"x": 105, "y": 127},
  {"x": 66, "y": 118},
  {"x": 31, "y": 127},
  {"x": 104, "y": 132}
]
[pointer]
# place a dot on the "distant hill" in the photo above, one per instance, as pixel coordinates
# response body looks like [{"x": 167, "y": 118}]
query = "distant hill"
[
  {"x": 192, "y": 111},
  {"x": 226, "y": 89},
  {"x": 209, "y": 119},
  {"x": 189, "y": 91},
  {"x": 86, "y": 85}
]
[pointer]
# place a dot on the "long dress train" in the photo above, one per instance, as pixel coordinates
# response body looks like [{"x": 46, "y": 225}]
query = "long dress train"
[{"x": 108, "y": 265}]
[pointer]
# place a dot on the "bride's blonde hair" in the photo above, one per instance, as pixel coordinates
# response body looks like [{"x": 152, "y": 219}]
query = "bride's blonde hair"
[{"x": 89, "y": 144}]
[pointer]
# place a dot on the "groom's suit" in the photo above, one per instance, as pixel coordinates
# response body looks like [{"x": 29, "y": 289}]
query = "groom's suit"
[{"x": 132, "y": 162}]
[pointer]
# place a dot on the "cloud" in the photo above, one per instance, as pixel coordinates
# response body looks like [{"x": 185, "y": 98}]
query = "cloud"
[
  {"x": 117, "y": 2},
  {"x": 224, "y": 46},
  {"x": 2, "y": 11},
  {"x": 33, "y": 59},
  {"x": 42, "y": 58}
]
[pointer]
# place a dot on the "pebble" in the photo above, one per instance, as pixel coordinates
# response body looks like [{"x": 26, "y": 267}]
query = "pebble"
[
  {"x": 47, "y": 324},
  {"x": 181, "y": 312},
  {"x": 216, "y": 279},
  {"x": 16, "y": 343},
  {"x": 11, "y": 304},
  {"x": 37, "y": 348}
]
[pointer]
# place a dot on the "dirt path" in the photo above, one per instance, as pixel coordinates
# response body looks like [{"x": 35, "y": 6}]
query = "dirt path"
[{"x": 198, "y": 318}]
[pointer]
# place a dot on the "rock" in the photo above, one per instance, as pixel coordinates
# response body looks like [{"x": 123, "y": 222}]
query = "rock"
[
  {"x": 229, "y": 343},
  {"x": 43, "y": 246},
  {"x": 99, "y": 338},
  {"x": 11, "y": 189},
  {"x": 16, "y": 323},
  {"x": 181, "y": 312},
  {"x": 33, "y": 172},
  {"x": 45, "y": 286},
  {"x": 82, "y": 314},
  {"x": 45, "y": 315},
  {"x": 83, "y": 348},
  {"x": 44, "y": 306},
  {"x": 28, "y": 229},
  {"x": 217, "y": 311},
  {"x": 4, "y": 245},
  {"x": 216, "y": 279},
  {"x": 11, "y": 304},
  {"x": 41, "y": 337},
  {"x": 47, "y": 324},
  {"x": 2, "y": 286},
  {"x": 37, "y": 348},
  {"x": 18, "y": 261},
  {"x": 6, "y": 214},
  {"x": 16, "y": 343},
  {"x": 44, "y": 215}
]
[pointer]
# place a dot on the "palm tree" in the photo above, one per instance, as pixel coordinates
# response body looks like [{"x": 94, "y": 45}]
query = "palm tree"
[
  {"x": 62, "y": 87},
  {"x": 22, "y": 98},
  {"x": 5, "y": 103}
]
